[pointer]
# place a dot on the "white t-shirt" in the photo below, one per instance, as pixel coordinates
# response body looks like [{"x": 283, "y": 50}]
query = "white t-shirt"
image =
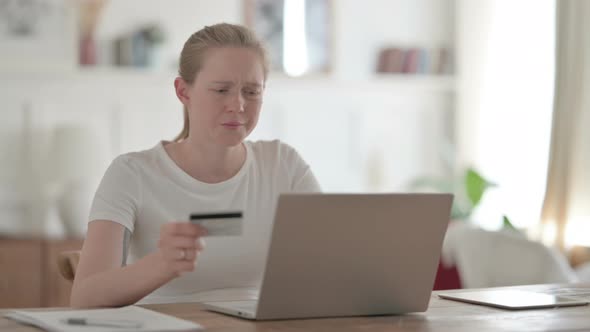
[{"x": 143, "y": 190}]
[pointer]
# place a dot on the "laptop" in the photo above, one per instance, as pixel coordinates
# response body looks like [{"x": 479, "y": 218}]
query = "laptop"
[{"x": 336, "y": 255}]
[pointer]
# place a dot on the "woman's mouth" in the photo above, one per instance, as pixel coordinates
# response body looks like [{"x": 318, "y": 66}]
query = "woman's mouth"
[{"x": 232, "y": 124}]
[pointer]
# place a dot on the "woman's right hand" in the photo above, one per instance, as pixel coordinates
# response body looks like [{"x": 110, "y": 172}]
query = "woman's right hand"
[{"x": 179, "y": 246}]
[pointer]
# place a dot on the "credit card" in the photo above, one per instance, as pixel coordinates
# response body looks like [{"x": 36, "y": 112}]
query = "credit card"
[{"x": 219, "y": 223}]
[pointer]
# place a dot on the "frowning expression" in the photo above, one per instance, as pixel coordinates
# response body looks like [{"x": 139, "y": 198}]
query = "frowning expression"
[{"x": 225, "y": 98}]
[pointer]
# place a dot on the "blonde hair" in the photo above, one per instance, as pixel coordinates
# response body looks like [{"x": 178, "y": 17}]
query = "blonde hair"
[{"x": 218, "y": 35}]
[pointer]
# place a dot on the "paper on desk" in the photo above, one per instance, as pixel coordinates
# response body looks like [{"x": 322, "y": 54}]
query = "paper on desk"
[{"x": 151, "y": 320}]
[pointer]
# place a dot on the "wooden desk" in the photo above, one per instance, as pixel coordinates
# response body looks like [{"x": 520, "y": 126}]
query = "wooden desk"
[{"x": 442, "y": 315}]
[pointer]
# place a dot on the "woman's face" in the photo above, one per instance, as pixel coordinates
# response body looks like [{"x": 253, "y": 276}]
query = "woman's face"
[{"x": 225, "y": 98}]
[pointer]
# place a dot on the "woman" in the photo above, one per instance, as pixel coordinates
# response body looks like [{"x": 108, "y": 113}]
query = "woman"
[{"x": 145, "y": 198}]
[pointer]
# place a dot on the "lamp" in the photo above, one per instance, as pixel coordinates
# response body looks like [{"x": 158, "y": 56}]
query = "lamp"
[{"x": 76, "y": 160}]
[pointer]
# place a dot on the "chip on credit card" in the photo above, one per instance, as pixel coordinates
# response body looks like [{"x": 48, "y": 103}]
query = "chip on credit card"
[{"x": 219, "y": 223}]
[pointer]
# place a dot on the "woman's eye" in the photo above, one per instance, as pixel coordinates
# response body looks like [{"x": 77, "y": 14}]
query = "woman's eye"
[
  {"x": 252, "y": 93},
  {"x": 221, "y": 90}
]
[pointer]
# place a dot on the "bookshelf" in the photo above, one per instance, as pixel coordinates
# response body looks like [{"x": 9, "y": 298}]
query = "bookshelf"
[{"x": 115, "y": 78}]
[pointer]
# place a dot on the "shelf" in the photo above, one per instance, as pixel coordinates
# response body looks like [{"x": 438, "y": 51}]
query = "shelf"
[
  {"x": 378, "y": 82},
  {"x": 98, "y": 74},
  {"x": 440, "y": 83}
]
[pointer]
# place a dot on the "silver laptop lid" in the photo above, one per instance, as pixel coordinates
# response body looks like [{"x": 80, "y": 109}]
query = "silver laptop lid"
[{"x": 353, "y": 254}]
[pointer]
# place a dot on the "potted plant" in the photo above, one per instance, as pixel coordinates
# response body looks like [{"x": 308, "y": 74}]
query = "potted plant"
[{"x": 468, "y": 187}]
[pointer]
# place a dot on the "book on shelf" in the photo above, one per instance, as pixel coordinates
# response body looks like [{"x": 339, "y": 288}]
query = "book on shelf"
[
  {"x": 415, "y": 60},
  {"x": 410, "y": 61}
]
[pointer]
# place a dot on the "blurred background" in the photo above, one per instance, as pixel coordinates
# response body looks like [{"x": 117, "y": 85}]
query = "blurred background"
[
  {"x": 377, "y": 95},
  {"x": 374, "y": 95}
]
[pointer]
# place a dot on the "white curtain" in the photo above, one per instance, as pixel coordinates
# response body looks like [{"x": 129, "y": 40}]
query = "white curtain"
[
  {"x": 566, "y": 208},
  {"x": 505, "y": 93}
]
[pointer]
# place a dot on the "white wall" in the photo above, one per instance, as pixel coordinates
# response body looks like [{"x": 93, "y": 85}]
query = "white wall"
[
  {"x": 52, "y": 44},
  {"x": 358, "y": 133},
  {"x": 180, "y": 18},
  {"x": 362, "y": 28}
]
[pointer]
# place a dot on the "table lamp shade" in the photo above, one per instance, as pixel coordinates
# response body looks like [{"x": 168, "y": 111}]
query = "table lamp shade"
[
  {"x": 76, "y": 153},
  {"x": 76, "y": 162}
]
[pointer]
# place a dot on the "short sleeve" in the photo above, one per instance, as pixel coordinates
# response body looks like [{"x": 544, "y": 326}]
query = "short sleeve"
[
  {"x": 118, "y": 195},
  {"x": 303, "y": 179}
]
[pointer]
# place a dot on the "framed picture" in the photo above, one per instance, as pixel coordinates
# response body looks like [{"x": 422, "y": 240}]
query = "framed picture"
[
  {"x": 37, "y": 35},
  {"x": 297, "y": 34}
]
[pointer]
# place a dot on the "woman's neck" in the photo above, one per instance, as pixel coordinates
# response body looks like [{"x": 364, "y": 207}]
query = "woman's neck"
[{"x": 207, "y": 163}]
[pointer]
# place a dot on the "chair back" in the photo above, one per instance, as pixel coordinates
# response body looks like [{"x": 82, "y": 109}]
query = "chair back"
[{"x": 67, "y": 262}]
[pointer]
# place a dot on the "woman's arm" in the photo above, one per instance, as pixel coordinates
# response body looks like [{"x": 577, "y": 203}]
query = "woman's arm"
[{"x": 100, "y": 279}]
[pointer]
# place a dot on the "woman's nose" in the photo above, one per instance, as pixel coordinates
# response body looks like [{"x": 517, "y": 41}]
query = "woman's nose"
[{"x": 237, "y": 103}]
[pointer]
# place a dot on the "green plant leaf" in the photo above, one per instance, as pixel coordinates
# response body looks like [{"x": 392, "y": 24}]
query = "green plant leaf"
[
  {"x": 507, "y": 224},
  {"x": 475, "y": 186}
]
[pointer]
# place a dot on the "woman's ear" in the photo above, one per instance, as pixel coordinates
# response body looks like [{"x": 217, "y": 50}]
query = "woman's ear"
[{"x": 181, "y": 88}]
